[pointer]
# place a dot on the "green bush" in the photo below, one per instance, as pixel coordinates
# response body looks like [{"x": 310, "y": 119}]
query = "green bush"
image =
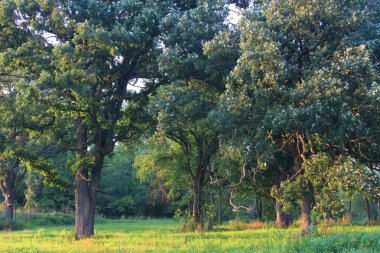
[
  {"x": 46, "y": 219},
  {"x": 11, "y": 225},
  {"x": 27, "y": 220}
]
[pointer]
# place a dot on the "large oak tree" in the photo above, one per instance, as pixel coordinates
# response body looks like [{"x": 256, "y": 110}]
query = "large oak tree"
[
  {"x": 98, "y": 52},
  {"x": 307, "y": 83}
]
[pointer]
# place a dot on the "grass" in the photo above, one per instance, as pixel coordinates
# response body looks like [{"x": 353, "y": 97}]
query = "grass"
[{"x": 163, "y": 236}]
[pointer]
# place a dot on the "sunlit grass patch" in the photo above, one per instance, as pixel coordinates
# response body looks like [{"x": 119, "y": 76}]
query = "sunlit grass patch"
[{"x": 164, "y": 236}]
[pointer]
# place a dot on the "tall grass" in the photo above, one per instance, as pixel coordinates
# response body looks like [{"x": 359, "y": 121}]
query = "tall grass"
[
  {"x": 23, "y": 220},
  {"x": 163, "y": 236}
]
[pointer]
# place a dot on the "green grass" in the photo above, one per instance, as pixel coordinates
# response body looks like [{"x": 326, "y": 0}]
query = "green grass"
[{"x": 163, "y": 236}]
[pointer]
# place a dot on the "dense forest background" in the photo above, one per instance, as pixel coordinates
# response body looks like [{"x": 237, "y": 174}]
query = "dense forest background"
[{"x": 131, "y": 197}]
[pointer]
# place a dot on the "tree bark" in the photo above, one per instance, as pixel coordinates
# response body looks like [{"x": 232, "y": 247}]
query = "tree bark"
[
  {"x": 259, "y": 207},
  {"x": 349, "y": 206},
  {"x": 9, "y": 192},
  {"x": 307, "y": 199},
  {"x": 282, "y": 219},
  {"x": 197, "y": 202},
  {"x": 84, "y": 206},
  {"x": 306, "y": 206},
  {"x": 9, "y": 206},
  {"x": 85, "y": 185},
  {"x": 85, "y": 191}
]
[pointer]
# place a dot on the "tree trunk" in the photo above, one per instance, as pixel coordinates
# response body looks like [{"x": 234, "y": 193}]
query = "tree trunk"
[
  {"x": 9, "y": 206},
  {"x": 282, "y": 220},
  {"x": 220, "y": 215},
  {"x": 307, "y": 199},
  {"x": 368, "y": 209},
  {"x": 349, "y": 206},
  {"x": 84, "y": 206},
  {"x": 85, "y": 185},
  {"x": 9, "y": 192},
  {"x": 85, "y": 192},
  {"x": 259, "y": 207},
  {"x": 378, "y": 210},
  {"x": 306, "y": 206},
  {"x": 197, "y": 202}
]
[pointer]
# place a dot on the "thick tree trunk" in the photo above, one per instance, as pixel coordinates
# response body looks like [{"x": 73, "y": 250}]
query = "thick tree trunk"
[
  {"x": 307, "y": 199},
  {"x": 9, "y": 192},
  {"x": 306, "y": 206},
  {"x": 85, "y": 192},
  {"x": 282, "y": 219},
  {"x": 9, "y": 206},
  {"x": 197, "y": 202},
  {"x": 85, "y": 185},
  {"x": 378, "y": 210},
  {"x": 84, "y": 207}
]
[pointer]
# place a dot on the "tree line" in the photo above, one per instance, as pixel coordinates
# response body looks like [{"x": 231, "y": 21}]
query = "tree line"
[{"x": 283, "y": 105}]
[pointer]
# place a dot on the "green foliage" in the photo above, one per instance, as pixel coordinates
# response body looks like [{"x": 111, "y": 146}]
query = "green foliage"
[
  {"x": 312, "y": 230},
  {"x": 129, "y": 196},
  {"x": 11, "y": 225},
  {"x": 192, "y": 60},
  {"x": 243, "y": 216},
  {"x": 330, "y": 178},
  {"x": 291, "y": 96},
  {"x": 47, "y": 219},
  {"x": 209, "y": 218},
  {"x": 164, "y": 159},
  {"x": 27, "y": 220},
  {"x": 43, "y": 194},
  {"x": 184, "y": 57},
  {"x": 304, "y": 87}
]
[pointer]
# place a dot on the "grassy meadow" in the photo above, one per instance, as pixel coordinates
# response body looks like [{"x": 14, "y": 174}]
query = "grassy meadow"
[{"x": 163, "y": 236}]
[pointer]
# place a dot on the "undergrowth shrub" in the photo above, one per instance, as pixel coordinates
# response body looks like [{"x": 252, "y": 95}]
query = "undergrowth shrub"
[
  {"x": 241, "y": 225},
  {"x": 11, "y": 225},
  {"x": 208, "y": 220},
  {"x": 346, "y": 220},
  {"x": 26, "y": 220},
  {"x": 312, "y": 230},
  {"x": 54, "y": 218}
]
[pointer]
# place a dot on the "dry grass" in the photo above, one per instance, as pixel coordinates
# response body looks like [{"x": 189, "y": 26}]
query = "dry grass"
[{"x": 240, "y": 225}]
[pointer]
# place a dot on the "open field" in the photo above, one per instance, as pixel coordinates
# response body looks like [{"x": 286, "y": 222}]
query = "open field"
[{"x": 163, "y": 236}]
